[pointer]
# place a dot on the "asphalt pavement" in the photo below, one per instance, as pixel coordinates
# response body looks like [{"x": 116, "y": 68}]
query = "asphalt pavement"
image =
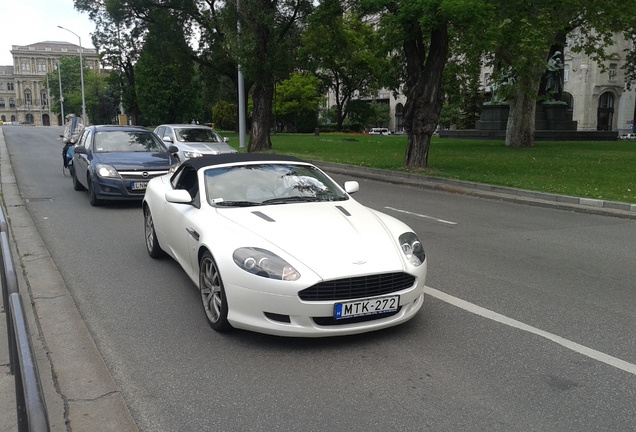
[{"x": 79, "y": 391}]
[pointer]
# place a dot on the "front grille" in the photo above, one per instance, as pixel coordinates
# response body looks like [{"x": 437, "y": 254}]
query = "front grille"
[
  {"x": 358, "y": 287},
  {"x": 138, "y": 175}
]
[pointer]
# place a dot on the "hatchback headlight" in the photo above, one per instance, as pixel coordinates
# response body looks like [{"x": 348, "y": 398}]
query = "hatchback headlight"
[
  {"x": 192, "y": 154},
  {"x": 106, "y": 171},
  {"x": 412, "y": 248},
  {"x": 264, "y": 263}
]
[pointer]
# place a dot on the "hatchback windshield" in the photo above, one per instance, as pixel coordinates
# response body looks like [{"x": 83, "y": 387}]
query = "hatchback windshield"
[
  {"x": 127, "y": 141},
  {"x": 197, "y": 135},
  {"x": 269, "y": 184}
]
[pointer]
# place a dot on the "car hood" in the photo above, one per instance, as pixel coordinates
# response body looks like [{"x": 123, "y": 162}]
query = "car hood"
[
  {"x": 134, "y": 160},
  {"x": 332, "y": 239},
  {"x": 208, "y": 148}
]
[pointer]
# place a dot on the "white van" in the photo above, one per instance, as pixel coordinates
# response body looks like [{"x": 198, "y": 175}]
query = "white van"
[{"x": 379, "y": 131}]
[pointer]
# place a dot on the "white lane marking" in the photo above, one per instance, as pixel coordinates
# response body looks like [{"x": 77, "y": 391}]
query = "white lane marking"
[
  {"x": 581, "y": 349},
  {"x": 422, "y": 216}
]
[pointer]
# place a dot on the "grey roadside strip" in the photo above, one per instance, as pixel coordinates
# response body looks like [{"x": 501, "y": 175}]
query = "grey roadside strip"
[
  {"x": 79, "y": 392},
  {"x": 521, "y": 196}
]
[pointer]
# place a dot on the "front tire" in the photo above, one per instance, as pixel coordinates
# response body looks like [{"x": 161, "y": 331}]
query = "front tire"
[
  {"x": 152, "y": 244},
  {"x": 213, "y": 296},
  {"x": 92, "y": 195}
]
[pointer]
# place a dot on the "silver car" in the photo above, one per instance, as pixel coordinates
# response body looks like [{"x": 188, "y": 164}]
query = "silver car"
[{"x": 193, "y": 140}]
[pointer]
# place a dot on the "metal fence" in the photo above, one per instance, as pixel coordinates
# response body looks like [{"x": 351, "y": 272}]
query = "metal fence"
[{"x": 30, "y": 405}]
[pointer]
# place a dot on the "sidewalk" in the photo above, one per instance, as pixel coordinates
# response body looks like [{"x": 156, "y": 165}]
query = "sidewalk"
[{"x": 79, "y": 392}]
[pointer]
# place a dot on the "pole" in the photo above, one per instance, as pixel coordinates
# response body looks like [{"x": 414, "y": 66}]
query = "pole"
[
  {"x": 59, "y": 77},
  {"x": 241, "y": 87},
  {"x": 48, "y": 97},
  {"x": 81, "y": 74}
]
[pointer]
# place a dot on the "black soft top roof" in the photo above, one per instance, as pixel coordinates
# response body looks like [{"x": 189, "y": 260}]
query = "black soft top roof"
[{"x": 227, "y": 158}]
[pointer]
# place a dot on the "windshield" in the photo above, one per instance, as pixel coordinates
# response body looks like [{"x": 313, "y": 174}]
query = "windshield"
[
  {"x": 197, "y": 135},
  {"x": 127, "y": 141},
  {"x": 268, "y": 184}
]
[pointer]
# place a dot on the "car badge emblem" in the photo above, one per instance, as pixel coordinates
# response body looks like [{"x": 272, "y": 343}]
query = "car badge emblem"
[{"x": 145, "y": 174}]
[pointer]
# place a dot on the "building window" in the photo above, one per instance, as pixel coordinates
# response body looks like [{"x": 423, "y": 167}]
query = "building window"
[
  {"x": 10, "y": 86},
  {"x": 1, "y": 102},
  {"x": 43, "y": 99},
  {"x": 3, "y": 118},
  {"x": 11, "y": 103},
  {"x": 27, "y": 97},
  {"x": 566, "y": 73},
  {"x": 41, "y": 67},
  {"x": 26, "y": 66},
  {"x": 613, "y": 71}
]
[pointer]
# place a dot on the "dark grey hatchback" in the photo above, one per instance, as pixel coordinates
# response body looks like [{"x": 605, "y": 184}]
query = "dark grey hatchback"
[{"x": 116, "y": 162}]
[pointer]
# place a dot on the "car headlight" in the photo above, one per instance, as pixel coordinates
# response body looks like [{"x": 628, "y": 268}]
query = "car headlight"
[
  {"x": 108, "y": 171},
  {"x": 262, "y": 262},
  {"x": 192, "y": 154},
  {"x": 412, "y": 248}
]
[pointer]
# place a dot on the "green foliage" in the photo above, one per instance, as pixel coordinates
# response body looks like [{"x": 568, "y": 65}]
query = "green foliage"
[
  {"x": 165, "y": 74},
  {"x": 69, "y": 74},
  {"x": 296, "y": 103},
  {"x": 224, "y": 116}
]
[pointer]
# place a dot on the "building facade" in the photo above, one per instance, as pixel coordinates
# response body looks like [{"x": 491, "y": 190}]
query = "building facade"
[{"x": 24, "y": 95}]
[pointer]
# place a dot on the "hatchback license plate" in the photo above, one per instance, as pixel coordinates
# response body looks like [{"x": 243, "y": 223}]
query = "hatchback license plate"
[
  {"x": 138, "y": 185},
  {"x": 366, "y": 307}
]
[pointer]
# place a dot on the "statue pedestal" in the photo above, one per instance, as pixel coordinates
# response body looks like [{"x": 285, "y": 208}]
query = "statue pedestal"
[
  {"x": 493, "y": 117},
  {"x": 548, "y": 116}
]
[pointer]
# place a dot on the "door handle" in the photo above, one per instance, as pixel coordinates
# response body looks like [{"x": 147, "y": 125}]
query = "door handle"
[{"x": 193, "y": 233}]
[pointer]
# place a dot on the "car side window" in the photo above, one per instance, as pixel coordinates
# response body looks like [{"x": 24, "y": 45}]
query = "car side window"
[
  {"x": 160, "y": 131},
  {"x": 84, "y": 140}
]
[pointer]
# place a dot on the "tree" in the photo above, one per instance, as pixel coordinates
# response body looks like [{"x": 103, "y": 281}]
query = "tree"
[
  {"x": 425, "y": 34},
  {"x": 165, "y": 73},
  {"x": 224, "y": 115},
  {"x": 345, "y": 53},
  {"x": 297, "y": 102},
  {"x": 118, "y": 38},
  {"x": 70, "y": 77}
]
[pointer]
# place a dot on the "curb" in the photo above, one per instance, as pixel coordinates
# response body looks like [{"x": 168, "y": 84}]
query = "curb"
[
  {"x": 521, "y": 196},
  {"x": 79, "y": 392}
]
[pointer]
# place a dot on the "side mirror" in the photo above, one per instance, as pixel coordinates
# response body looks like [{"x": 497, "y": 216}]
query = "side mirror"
[
  {"x": 173, "y": 149},
  {"x": 351, "y": 187},
  {"x": 80, "y": 150},
  {"x": 178, "y": 196},
  {"x": 167, "y": 138},
  {"x": 226, "y": 140}
]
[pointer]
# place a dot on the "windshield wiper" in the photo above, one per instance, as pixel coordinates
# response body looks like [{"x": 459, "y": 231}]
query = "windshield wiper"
[
  {"x": 284, "y": 200},
  {"x": 237, "y": 203}
]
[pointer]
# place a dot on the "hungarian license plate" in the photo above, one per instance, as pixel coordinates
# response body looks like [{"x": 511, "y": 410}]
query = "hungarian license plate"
[
  {"x": 138, "y": 185},
  {"x": 366, "y": 307}
]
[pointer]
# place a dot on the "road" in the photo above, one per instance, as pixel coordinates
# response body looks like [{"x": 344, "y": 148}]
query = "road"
[{"x": 528, "y": 325}]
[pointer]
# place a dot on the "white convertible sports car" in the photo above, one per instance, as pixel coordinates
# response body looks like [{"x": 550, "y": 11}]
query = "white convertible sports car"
[{"x": 276, "y": 246}]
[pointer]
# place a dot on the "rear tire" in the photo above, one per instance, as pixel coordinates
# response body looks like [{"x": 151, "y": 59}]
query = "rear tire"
[{"x": 76, "y": 184}]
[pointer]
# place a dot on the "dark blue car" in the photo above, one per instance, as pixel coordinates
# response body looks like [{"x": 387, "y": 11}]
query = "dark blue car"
[{"x": 116, "y": 162}]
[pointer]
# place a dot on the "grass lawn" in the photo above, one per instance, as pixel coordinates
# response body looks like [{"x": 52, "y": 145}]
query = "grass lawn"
[{"x": 601, "y": 170}]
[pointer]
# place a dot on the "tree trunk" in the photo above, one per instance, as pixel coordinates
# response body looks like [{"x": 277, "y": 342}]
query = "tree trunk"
[
  {"x": 424, "y": 98},
  {"x": 521, "y": 119},
  {"x": 262, "y": 118}
]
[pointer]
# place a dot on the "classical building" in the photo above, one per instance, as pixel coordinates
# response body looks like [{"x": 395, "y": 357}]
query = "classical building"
[{"x": 24, "y": 96}]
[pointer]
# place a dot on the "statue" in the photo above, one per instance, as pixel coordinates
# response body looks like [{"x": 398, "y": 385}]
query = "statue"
[
  {"x": 502, "y": 88},
  {"x": 554, "y": 77}
]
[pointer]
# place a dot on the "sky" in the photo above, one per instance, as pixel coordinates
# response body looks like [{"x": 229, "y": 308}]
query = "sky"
[{"x": 37, "y": 21}]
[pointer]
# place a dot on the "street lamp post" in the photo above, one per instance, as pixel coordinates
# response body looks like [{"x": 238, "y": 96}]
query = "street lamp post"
[
  {"x": 59, "y": 78},
  {"x": 81, "y": 74}
]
